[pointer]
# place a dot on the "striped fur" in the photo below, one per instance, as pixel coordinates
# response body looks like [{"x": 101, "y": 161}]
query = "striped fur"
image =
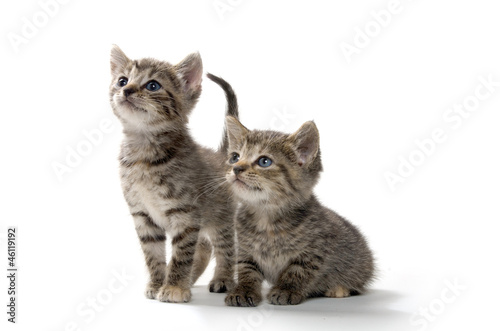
[
  {"x": 284, "y": 235},
  {"x": 232, "y": 105},
  {"x": 172, "y": 185}
]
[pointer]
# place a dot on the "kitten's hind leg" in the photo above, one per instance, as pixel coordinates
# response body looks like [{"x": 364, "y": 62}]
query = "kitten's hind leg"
[
  {"x": 291, "y": 284},
  {"x": 201, "y": 258},
  {"x": 338, "y": 292},
  {"x": 152, "y": 239},
  {"x": 224, "y": 251}
]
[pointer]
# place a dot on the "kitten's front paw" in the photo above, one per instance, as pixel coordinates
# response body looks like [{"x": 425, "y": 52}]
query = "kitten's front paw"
[
  {"x": 152, "y": 290},
  {"x": 221, "y": 285},
  {"x": 243, "y": 298},
  {"x": 277, "y": 296},
  {"x": 169, "y": 293}
]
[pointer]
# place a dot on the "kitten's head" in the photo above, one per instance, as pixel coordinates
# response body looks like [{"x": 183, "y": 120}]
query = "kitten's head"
[
  {"x": 272, "y": 168},
  {"x": 148, "y": 94}
]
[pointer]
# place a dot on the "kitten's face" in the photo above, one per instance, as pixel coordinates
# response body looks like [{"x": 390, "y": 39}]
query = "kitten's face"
[
  {"x": 148, "y": 94},
  {"x": 272, "y": 168}
]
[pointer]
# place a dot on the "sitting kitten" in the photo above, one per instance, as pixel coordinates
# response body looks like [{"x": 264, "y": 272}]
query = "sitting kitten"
[
  {"x": 171, "y": 184},
  {"x": 284, "y": 235}
]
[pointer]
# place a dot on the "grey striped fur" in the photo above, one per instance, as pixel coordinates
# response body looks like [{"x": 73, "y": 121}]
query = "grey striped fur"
[
  {"x": 172, "y": 185},
  {"x": 284, "y": 235},
  {"x": 232, "y": 105}
]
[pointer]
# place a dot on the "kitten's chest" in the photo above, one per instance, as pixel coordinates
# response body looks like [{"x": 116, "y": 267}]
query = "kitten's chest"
[
  {"x": 145, "y": 191},
  {"x": 152, "y": 198},
  {"x": 273, "y": 251},
  {"x": 272, "y": 266}
]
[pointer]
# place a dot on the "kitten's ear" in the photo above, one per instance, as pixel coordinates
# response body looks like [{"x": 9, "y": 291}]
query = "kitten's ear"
[
  {"x": 190, "y": 72},
  {"x": 306, "y": 143},
  {"x": 118, "y": 60},
  {"x": 235, "y": 131}
]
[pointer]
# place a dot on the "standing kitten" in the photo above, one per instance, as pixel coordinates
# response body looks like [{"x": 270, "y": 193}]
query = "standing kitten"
[
  {"x": 171, "y": 184},
  {"x": 284, "y": 235}
]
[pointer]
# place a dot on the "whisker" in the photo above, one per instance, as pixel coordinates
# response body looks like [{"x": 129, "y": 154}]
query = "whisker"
[{"x": 211, "y": 186}]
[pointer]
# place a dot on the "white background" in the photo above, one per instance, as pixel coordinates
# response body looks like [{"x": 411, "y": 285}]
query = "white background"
[{"x": 436, "y": 228}]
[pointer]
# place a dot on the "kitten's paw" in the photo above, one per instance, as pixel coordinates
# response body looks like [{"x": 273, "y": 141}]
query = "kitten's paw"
[
  {"x": 243, "y": 298},
  {"x": 152, "y": 290},
  {"x": 221, "y": 285},
  {"x": 277, "y": 296},
  {"x": 338, "y": 292},
  {"x": 169, "y": 293}
]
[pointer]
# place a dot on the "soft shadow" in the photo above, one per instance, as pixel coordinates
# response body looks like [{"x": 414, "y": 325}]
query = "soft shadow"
[
  {"x": 374, "y": 310},
  {"x": 369, "y": 300}
]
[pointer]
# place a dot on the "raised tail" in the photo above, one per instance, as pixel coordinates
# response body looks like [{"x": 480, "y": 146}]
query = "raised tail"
[{"x": 231, "y": 109}]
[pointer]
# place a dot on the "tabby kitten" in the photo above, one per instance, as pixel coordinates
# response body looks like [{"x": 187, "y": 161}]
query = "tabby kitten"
[
  {"x": 284, "y": 235},
  {"x": 171, "y": 184}
]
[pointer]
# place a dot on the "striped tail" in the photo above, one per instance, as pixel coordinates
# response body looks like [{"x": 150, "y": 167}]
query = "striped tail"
[{"x": 231, "y": 110}]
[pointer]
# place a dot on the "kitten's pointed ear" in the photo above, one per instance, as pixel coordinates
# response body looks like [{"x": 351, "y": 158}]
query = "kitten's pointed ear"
[
  {"x": 190, "y": 72},
  {"x": 306, "y": 143},
  {"x": 118, "y": 59},
  {"x": 235, "y": 131}
]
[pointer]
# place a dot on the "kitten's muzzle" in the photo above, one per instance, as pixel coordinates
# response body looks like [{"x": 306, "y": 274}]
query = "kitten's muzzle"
[
  {"x": 129, "y": 91},
  {"x": 239, "y": 169}
]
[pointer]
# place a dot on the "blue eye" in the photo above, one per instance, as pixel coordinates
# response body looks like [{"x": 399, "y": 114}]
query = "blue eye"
[
  {"x": 235, "y": 157},
  {"x": 122, "y": 81},
  {"x": 153, "y": 86},
  {"x": 264, "y": 162}
]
